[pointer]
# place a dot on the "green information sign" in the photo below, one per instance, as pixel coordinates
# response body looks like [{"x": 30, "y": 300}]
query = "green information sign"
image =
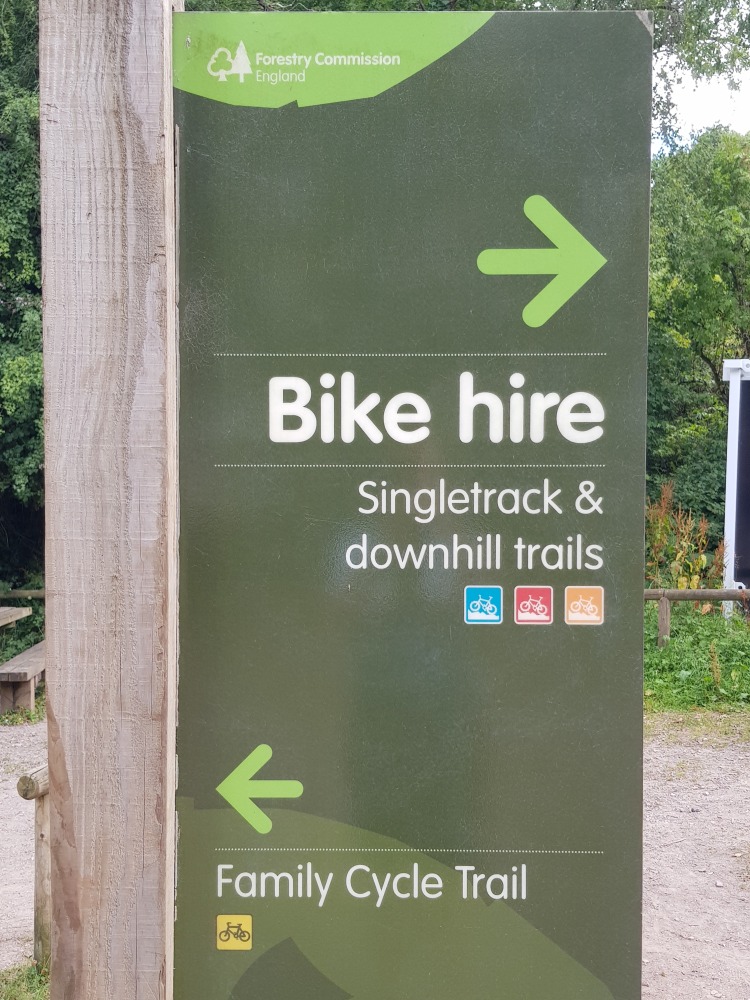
[{"x": 413, "y": 292}]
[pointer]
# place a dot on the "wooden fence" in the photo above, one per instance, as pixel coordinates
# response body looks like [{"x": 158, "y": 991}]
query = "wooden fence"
[{"x": 665, "y": 598}]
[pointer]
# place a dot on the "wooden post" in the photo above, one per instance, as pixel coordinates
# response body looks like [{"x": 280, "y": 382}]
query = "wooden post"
[
  {"x": 665, "y": 618},
  {"x": 108, "y": 220},
  {"x": 42, "y": 887},
  {"x": 36, "y": 786},
  {"x": 665, "y": 598}
]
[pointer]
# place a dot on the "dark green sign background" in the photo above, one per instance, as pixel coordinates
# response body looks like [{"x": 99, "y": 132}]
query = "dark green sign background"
[{"x": 331, "y": 224}]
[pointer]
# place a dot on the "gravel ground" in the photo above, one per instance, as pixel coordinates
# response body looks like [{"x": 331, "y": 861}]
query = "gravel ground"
[
  {"x": 697, "y": 854},
  {"x": 696, "y": 907},
  {"x": 22, "y": 748}
]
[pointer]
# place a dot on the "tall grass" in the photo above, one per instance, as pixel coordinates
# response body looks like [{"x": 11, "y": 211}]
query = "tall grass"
[
  {"x": 24, "y": 982},
  {"x": 705, "y": 664}
]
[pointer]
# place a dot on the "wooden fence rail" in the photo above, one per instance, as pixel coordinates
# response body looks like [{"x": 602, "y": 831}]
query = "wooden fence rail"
[
  {"x": 35, "y": 785},
  {"x": 665, "y": 598}
]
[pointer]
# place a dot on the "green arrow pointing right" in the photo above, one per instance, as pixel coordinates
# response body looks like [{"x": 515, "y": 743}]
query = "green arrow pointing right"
[
  {"x": 241, "y": 787},
  {"x": 572, "y": 261}
]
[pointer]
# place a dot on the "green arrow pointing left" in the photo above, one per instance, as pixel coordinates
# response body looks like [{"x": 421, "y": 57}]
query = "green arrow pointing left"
[
  {"x": 241, "y": 787},
  {"x": 572, "y": 260}
]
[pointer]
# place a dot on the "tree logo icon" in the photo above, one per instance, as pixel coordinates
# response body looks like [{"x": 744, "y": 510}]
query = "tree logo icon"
[{"x": 222, "y": 64}]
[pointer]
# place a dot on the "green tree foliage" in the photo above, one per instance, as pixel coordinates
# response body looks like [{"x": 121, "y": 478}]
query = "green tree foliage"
[
  {"x": 700, "y": 312},
  {"x": 700, "y": 262},
  {"x": 20, "y": 303}
]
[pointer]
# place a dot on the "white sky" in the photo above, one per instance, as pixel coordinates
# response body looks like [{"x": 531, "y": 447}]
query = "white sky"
[{"x": 711, "y": 102}]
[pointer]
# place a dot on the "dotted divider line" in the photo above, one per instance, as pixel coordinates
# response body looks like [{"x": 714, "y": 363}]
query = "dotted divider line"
[
  {"x": 408, "y": 850},
  {"x": 383, "y": 354},
  {"x": 373, "y": 465}
]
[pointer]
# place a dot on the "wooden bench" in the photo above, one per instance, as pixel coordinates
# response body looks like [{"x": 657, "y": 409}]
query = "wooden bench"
[
  {"x": 19, "y": 678},
  {"x": 9, "y": 616}
]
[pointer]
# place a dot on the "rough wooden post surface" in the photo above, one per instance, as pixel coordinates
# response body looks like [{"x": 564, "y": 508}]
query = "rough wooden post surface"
[
  {"x": 42, "y": 888},
  {"x": 36, "y": 786},
  {"x": 665, "y": 619},
  {"x": 110, "y": 410}
]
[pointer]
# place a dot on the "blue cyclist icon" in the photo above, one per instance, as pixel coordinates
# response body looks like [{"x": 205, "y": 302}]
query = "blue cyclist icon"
[{"x": 483, "y": 605}]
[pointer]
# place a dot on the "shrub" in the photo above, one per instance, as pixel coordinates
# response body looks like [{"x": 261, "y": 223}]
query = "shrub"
[{"x": 677, "y": 553}]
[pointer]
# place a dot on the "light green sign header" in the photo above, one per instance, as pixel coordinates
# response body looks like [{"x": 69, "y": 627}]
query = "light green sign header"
[{"x": 269, "y": 60}]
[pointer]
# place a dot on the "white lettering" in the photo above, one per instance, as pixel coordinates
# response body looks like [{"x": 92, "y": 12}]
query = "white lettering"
[
  {"x": 468, "y": 402},
  {"x": 393, "y": 418},
  {"x": 279, "y": 408},
  {"x": 592, "y": 414}
]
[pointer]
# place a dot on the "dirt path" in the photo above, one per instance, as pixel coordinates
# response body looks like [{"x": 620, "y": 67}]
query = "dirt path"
[
  {"x": 696, "y": 907},
  {"x": 697, "y": 854},
  {"x": 21, "y": 749}
]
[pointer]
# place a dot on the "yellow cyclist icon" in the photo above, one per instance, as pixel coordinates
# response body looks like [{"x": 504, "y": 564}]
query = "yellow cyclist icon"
[{"x": 234, "y": 932}]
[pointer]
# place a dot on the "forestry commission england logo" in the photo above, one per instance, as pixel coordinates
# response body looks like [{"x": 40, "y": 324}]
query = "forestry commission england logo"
[{"x": 223, "y": 64}]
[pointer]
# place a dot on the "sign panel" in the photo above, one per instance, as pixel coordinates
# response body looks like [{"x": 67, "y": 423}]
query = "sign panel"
[
  {"x": 737, "y": 508},
  {"x": 742, "y": 529},
  {"x": 413, "y": 288}
]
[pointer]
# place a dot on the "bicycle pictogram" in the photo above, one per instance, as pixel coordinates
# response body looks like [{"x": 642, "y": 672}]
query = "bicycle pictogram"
[
  {"x": 533, "y": 605},
  {"x": 236, "y": 931},
  {"x": 584, "y": 605},
  {"x": 483, "y": 605}
]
